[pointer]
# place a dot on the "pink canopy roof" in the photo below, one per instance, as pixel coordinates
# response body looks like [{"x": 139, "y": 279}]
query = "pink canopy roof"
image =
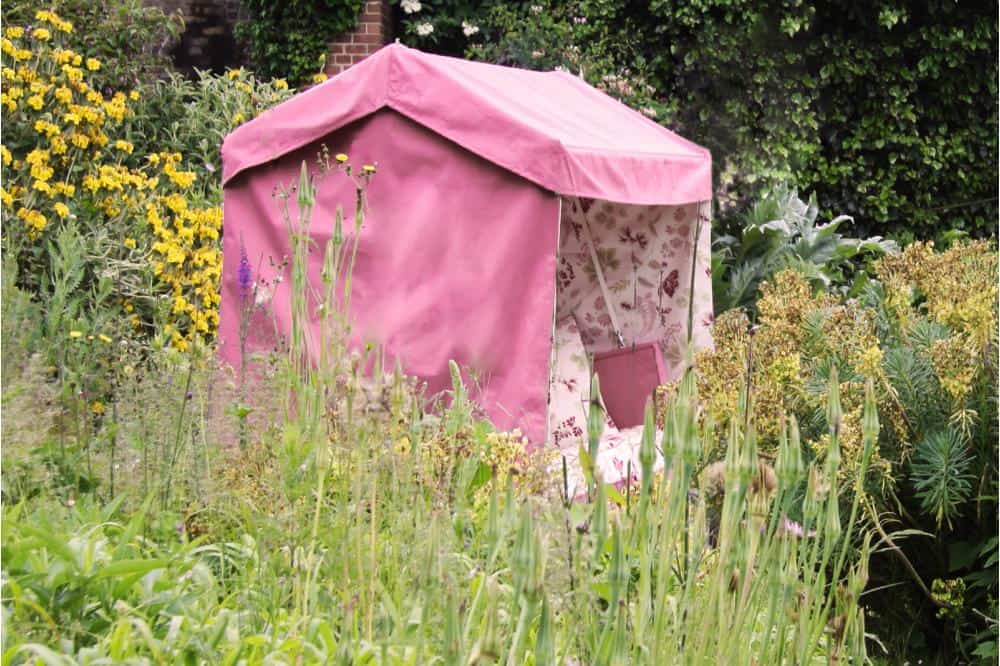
[{"x": 550, "y": 128}]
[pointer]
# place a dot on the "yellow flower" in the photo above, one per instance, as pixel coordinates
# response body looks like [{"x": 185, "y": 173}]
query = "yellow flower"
[
  {"x": 130, "y": 243},
  {"x": 234, "y": 73},
  {"x": 75, "y": 334},
  {"x": 62, "y": 210},
  {"x": 93, "y": 64},
  {"x": 341, "y": 157},
  {"x": 238, "y": 118},
  {"x": 105, "y": 339},
  {"x": 97, "y": 407},
  {"x": 134, "y": 95},
  {"x": 281, "y": 84},
  {"x": 36, "y": 102},
  {"x": 5, "y": 155},
  {"x": 319, "y": 78},
  {"x": 6, "y": 198},
  {"x": 42, "y": 34},
  {"x": 368, "y": 168},
  {"x": 15, "y": 32},
  {"x": 124, "y": 146},
  {"x": 64, "y": 94}
]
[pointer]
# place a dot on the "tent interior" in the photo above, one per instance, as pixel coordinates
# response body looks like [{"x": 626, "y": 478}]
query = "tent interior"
[{"x": 646, "y": 255}]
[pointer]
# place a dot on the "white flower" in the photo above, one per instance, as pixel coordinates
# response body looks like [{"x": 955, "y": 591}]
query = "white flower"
[
  {"x": 468, "y": 29},
  {"x": 424, "y": 29},
  {"x": 537, "y": 54},
  {"x": 648, "y": 111},
  {"x": 411, "y": 6},
  {"x": 536, "y": 9},
  {"x": 263, "y": 296}
]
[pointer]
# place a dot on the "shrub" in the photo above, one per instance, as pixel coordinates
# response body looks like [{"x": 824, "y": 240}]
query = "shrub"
[
  {"x": 131, "y": 38},
  {"x": 129, "y": 232},
  {"x": 779, "y": 232},
  {"x": 194, "y": 116},
  {"x": 924, "y": 331}
]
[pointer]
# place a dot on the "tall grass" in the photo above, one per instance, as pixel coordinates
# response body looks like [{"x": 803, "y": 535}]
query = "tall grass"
[{"x": 363, "y": 529}]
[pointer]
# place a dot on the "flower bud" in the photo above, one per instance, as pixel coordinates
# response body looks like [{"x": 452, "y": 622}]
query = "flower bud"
[{"x": 789, "y": 465}]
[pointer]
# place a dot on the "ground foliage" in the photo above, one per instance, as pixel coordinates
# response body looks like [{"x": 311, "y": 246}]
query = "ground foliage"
[{"x": 887, "y": 112}]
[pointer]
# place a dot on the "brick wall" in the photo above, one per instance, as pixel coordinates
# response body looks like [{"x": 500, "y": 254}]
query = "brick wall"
[{"x": 373, "y": 32}]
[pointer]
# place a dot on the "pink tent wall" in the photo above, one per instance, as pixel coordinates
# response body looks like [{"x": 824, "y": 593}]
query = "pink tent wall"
[{"x": 456, "y": 261}]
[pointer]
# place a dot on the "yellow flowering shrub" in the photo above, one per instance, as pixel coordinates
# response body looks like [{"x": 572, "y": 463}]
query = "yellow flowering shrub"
[
  {"x": 798, "y": 332},
  {"x": 63, "y": 158},
  {"x": 925, "y": 333}
]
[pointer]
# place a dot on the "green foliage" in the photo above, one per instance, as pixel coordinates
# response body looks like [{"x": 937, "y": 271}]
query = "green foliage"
[
  {"x": 779, "y": 232},
  {"x": 941, "y": 473},
  {"x": 288, "y": 39},
  {"x": 131, "y": 38},
  {"x": 887, "y": 113},
  {"x": 922, "y": 330},
  {"x": 194, "y": 116}
]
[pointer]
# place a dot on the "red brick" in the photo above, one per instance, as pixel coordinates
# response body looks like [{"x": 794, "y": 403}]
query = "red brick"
[
  {"x": 355, "y": 49},
  {"x": 336, "y": 48},
  {"x": 367, "y": 38},
  {"x": 343, "y": 60}
]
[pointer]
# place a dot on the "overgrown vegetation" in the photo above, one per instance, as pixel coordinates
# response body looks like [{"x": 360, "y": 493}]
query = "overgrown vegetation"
[
  {"x": 356, "y": 529},
  {"x": 159, "y": 507},
  {"x": 130, "y": 38},
  {"x": 924, "y": 330},
  {"x": 887, "y": 112}
]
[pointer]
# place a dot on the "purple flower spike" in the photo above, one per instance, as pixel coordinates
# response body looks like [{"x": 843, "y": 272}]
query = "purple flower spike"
[{"x": 244, "y": 275}]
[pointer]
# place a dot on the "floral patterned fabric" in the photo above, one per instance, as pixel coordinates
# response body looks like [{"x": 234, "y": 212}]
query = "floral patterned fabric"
[{"x": 646, "y": 255}]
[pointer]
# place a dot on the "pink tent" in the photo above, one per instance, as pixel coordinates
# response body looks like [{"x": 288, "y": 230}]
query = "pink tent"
[{"x": 497, "y": 190}]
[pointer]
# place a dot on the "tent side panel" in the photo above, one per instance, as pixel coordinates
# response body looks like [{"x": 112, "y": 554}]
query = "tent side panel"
[{"x": 456, "y": 260}]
